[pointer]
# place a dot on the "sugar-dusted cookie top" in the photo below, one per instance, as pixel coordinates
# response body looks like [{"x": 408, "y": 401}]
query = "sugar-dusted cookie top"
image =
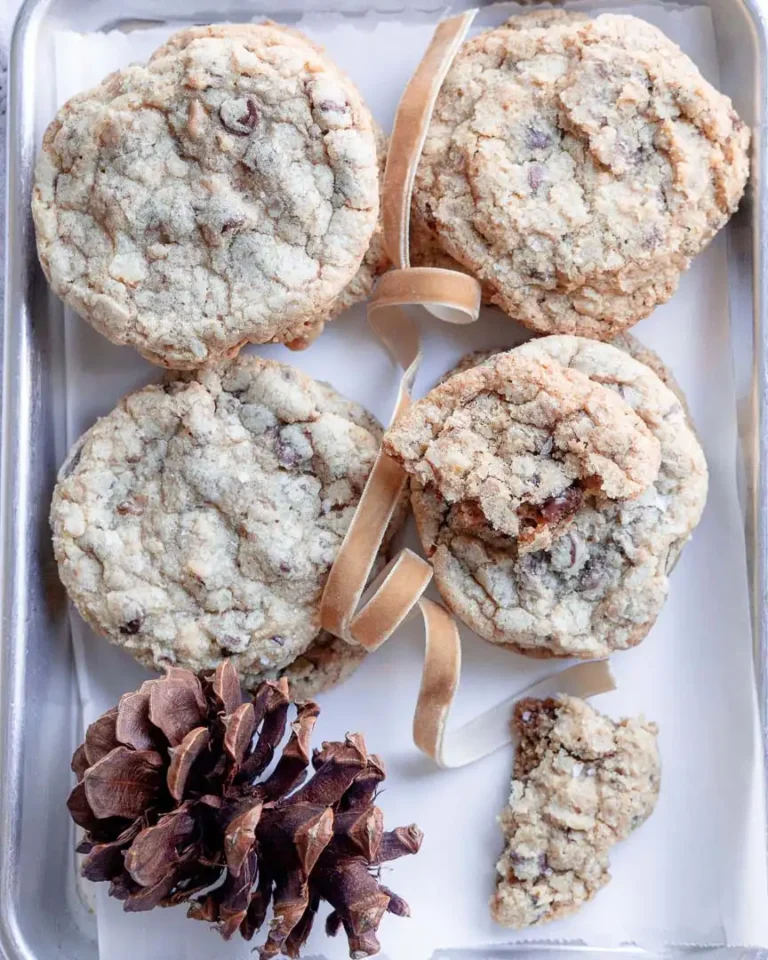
[
  {"x": 219, "y": 194},
  {"x": 200, "y": 518},
  {"x": 575, "y": 166}
]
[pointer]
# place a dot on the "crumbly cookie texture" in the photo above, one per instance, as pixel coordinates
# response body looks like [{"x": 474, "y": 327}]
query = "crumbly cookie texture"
[
  {"x": 328, "y": 662},
  {"x": 219, "y": 194},
  {"x": 575, "y": 167},
  {"x": 625, "y": 341},
  {"x": 200, "y": 518},
  {"x": 581, "y": 784},
  {"x": 554, "y": 487},
  {"x": 358, "y": 290}
]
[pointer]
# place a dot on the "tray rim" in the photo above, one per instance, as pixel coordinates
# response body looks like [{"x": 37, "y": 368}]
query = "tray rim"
[{"x": 19, "y": 418}]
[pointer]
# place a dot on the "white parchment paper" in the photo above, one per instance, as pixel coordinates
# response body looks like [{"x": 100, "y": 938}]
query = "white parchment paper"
[{"x": 695, "y": 873}]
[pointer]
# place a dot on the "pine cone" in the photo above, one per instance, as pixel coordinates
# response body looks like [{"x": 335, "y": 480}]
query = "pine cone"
[{"x": 170, "y": 799}]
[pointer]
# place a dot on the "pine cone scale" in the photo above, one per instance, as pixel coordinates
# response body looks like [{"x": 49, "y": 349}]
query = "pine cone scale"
[
  {"x": 270, "y": 705},
  {"x": 100, "y": 737},
  {"x": 292, "y": 765},
  {"x": 154, "y": 852},
  {"x": 240, "y": 837},
  {"x": 80, "y": 762},
  {"x": 239, "y": 727},
  {"x": 123, "y": 783},
  {"x": 134, "y": 727},
  {"x": 106, "y": 859},
  {"x": 175, "y": 708},
  {"x": 183, "y": 759},
  {"x": 333, "y": 777}
]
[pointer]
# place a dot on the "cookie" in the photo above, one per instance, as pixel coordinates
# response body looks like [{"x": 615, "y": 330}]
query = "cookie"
[
  {"x": 375, "y": 262},
  {"x": 554, "y": 487},
  {"x": 219, "y": 194},
  {"x": 575, "y": 167},
  {"x": 358, "y": 290},
  {"x": 327, "y": 663},
  {"x": 200, "y": 518},
  {"x": 625, "y": 342},
  {"x": 581, "y": 784}
]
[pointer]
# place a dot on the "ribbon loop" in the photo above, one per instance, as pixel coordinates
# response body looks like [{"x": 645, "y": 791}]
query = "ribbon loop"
[
  {"x": 410, "y": 131},
  {"x": 447, "y": 294}
]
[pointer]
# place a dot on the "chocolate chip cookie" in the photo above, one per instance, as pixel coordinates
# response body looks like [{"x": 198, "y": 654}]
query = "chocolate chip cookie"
[
  {"x": 328, "y": 662},
  {"x": 581, "y": 784},
  {"x": 624, "y": 341},
  {"x": 219, "y": 194},
  {"x": 375, "y": 263},
  {"x": 575, "y": 167},
  {"x": 200, "y": 518},
  {"x": 554, "y": 487}
]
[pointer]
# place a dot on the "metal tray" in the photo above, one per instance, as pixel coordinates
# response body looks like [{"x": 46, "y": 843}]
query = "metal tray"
[{"x": 40, "y": 915}]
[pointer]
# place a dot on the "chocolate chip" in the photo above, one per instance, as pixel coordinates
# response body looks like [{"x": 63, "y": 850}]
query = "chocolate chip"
[
  {"x": 559, "y": 508},
  {"x": 71, "y": 465},
  {"x": 652, "y": 239},
  {"x": 129, "y": 508},
  {"x": 251, "y": 115},
  {"x": 232, "y": 222},
  {"x": 594, "y": 577},
  {"x": 239, "y": 115},
  {"x": 332, "y": 106},
  {"x": 280, "y": 641},
  {"x": 641, "y": 154},
  {"x": 287, "y": 456},
  {"x": 533, "y": 566},
  {"x": 536, "y": 176},
  {"x": 537, "y": 139},
  {"x": 539, "y": 861},
  {"x": 132, "y": 627},
  {"x": 536, "y": 275},
  {"x": 285, "y": 567}
]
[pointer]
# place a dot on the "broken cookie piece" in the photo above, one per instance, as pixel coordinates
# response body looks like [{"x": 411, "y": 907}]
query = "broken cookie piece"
[{"x": 581, "y": 783}]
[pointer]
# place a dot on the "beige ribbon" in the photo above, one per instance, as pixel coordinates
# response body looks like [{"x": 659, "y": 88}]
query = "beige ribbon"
[{"x": 367, "y": 617}]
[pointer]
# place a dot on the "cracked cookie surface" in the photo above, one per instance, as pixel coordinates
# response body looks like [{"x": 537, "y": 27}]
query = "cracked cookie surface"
[
  {"x": 358, "y": 290},
  {"x": 554, "y": 487},
  {"x": 575, "y": 167},
  {"x": 581, "y": 783},
  {"x": 625, "y": 341},
  {"x": 199, "y": 519},
  {"x": 219, "y": 194}
]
